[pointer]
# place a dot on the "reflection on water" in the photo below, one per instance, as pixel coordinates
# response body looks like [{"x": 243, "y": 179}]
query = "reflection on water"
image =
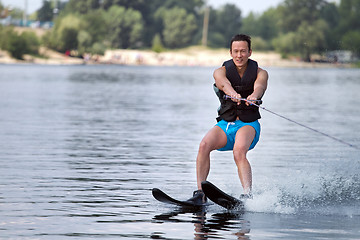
[
  {"x": 206, "y": 225},
  {"x": 82, "y": 147}
]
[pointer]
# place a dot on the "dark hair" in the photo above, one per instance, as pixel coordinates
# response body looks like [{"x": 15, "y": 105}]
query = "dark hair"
[{"x": 241, "y": 37}]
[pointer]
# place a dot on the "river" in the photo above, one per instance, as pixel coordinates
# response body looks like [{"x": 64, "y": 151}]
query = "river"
[{"x": 82, "y": 147}]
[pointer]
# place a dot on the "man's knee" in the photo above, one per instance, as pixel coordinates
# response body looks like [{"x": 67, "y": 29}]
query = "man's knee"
[
  {"x": 240, "y": 154},
  {"x": 204, "y": 146}
]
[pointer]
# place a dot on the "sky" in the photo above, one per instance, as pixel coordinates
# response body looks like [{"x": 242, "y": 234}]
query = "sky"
[{"x": 246, "y": 6}]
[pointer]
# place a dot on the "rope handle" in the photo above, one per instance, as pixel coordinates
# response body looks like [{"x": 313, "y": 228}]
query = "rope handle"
[{"x": 252, "y": 102}]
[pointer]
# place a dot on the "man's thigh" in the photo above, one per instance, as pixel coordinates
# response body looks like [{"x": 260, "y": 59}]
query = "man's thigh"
[
  {"x": 216, "y": 138},
  {"x": 244, "y": 138}
]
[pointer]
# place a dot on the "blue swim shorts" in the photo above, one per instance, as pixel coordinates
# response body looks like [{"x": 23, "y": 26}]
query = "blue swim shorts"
[{"x": 231, "y": 128}]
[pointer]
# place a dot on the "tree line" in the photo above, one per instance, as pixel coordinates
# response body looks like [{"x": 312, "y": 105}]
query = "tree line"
[{"x": 293, "y": 27}]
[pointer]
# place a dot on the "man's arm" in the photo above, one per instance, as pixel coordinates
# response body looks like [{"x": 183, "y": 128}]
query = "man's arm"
[
  {"x": 260, "y": 85},
  {"x": 223, "y": 83}
]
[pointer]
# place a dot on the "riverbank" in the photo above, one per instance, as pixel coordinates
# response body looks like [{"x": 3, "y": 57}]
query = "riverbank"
[{"x": 192, "y": 56}]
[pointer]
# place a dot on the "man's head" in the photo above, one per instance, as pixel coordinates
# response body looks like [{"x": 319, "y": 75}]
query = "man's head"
[
  {"x": 241, "y": 37},
  {"x": 240, "y": 49}
]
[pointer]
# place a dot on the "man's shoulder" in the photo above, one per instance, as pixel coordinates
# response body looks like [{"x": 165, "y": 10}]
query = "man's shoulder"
[
  {"x": 261, "y": 70},
  {"x": 253, "y": 62},
  {"x": 228, "y": 63}
]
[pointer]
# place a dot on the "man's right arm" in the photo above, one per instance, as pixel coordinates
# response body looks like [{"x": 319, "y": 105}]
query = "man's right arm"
[{"x": 224, "y": 84}]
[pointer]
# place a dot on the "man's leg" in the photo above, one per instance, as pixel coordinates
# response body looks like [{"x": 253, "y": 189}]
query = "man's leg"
[
  {"x": 214, "y": 139},
  {"x": 243, "y": 140}
]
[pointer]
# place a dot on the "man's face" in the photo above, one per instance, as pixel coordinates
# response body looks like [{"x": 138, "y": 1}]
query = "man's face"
[{"x": 240, "y": 53}]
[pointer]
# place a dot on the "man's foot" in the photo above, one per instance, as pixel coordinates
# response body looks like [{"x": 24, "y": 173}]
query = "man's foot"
[
  {"x": 246, "y": 196},
  {"x": 198, "y": 197}
]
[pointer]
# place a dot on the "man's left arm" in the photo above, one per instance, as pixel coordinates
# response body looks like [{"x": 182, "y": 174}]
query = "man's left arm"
[{"x": 260, "y": 85}]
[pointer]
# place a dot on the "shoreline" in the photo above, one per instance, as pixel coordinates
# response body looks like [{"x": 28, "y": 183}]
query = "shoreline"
[{"x": 193, "y": 56}]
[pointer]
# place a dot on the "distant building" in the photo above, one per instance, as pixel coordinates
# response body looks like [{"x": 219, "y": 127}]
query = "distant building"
[
  {"x": 29, "y": 23},
  {"x": 341, "y": 56}
]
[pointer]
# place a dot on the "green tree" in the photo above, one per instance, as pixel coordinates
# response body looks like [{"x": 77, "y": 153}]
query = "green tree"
[
  {"x": 262, "y": 28},
  {"x": 84, "y": 42},
  {"x": 17, "y": 46},
  {"x": 45, "y": 13},
  {"x": 64, "y": 35},
  {"x": 216, "y": 40},
  {"x": 154, "y": 25},
  {"x": 82, "y": 6},
  {"x": 2, "y": 34},
  {"x": 20, "y": 44},
  {"x": 190, "y": 6},
  {"x": 228, "y": 22},
  {"x": 98, "y": 48},
  {"x": 124, "y": 27},
  {"x": 178, "y": 27},
  {"x": 330, "y": 14},
  {"x": 268, "y": 24},
  {"x": 139, "y": 5},
  {"x": 294, "y": 12},
  {"x": 32, "y": 42},
  {"x": 351, "y": 41},
  {"x": 259, "y": 44},
  {"x": 5, "y": 34},
  {"x": 311, "y": 38},
  {"x": 224, "y": 23},
  {"x": 157, "y": 45},
  {"x": 250, "y": 25},
  {"x": 285, "y": 44},
  {"x": 349, "y": 11},
  {"x": 94, "y": 24}
]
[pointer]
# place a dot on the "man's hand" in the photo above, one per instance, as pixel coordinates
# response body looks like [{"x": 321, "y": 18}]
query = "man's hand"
[
  {"x": 250, "y": 98},
  {"x": 236, "y": 98}
]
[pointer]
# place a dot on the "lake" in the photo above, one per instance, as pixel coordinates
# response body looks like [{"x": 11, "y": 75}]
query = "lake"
[{"x": 82, "y": 147}]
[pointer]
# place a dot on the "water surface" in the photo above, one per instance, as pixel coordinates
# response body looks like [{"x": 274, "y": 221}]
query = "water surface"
[{"x": 82, "y": 147}]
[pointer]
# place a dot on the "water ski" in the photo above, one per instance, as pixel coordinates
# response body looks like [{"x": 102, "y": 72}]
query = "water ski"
[
  {"x": 221, "y": 198},
  {"x": 163, "y": 197}
]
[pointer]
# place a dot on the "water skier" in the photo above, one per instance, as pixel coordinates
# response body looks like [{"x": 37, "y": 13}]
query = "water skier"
[{"x": 238, "y": 128}]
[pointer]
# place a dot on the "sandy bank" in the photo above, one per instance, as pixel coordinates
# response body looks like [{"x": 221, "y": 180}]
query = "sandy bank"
[
  {"x": 193, "y": 56},
  {"x": 197, "y": 56}
]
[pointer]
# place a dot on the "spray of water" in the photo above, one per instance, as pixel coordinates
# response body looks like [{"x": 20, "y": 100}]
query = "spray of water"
[{"x": 329, "y": 191}]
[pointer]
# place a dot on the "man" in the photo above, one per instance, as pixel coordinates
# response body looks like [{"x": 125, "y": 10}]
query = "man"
[{"x": 238, "y": 128}]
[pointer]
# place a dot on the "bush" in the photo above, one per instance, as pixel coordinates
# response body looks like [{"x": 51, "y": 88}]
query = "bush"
[
  {"x": 285, "y": 44},
  {"x": 351, "y": 41},
  {"x": 84, "y": 42},
  {"x": 179, "y": 27},
  {"x": 32, "y": 42},
  {"x": 216, "y": 39},
  {"x": 5, "y": 33},
  {"x": 64, "y": 35},
  {"x": 18, "y": 44},
  {"x": 259, "y": 44},
  {"x": 98, "y": 48},
  {"x": 157, "y": 45}
]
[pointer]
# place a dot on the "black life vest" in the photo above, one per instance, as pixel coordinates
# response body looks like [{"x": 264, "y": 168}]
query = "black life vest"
[{"x": 228, "y": 109}]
